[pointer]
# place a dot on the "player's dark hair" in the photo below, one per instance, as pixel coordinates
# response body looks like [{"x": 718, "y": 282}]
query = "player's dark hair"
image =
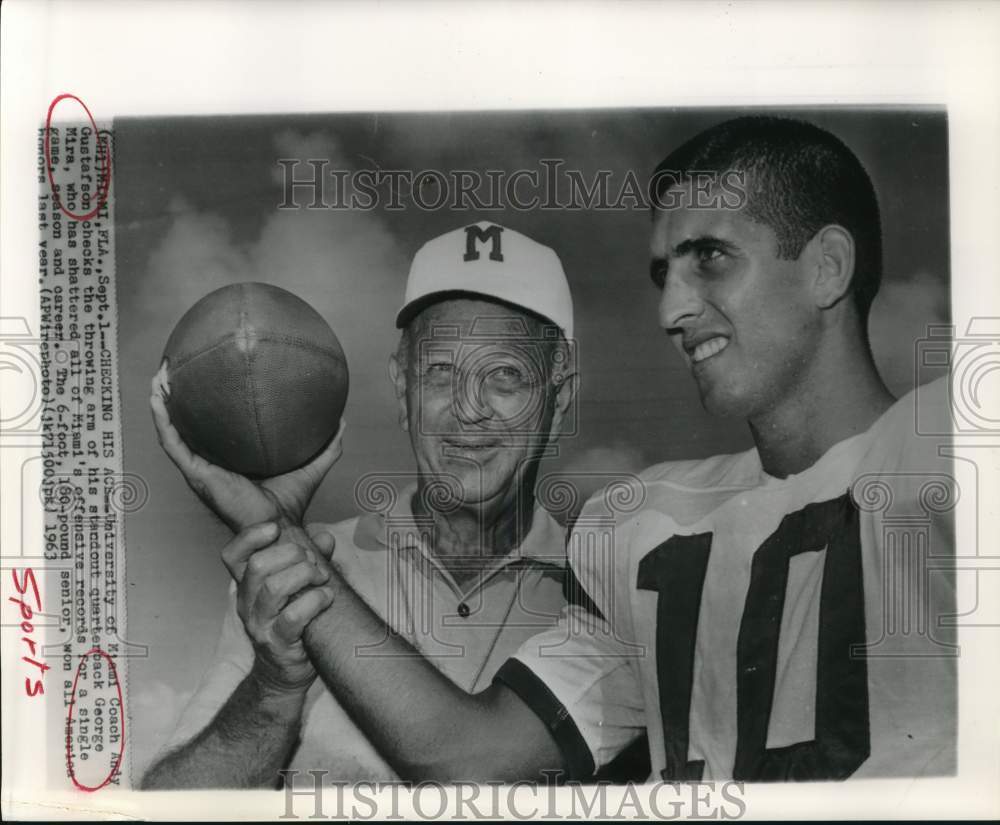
[{"x": 798, "y": 178}]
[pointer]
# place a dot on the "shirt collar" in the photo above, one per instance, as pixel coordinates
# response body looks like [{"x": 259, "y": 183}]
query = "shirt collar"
[{"x": 545, "y": 542}]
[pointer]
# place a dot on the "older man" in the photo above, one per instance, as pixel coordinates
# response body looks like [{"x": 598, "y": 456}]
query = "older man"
[{"x": 462, "y": 564}]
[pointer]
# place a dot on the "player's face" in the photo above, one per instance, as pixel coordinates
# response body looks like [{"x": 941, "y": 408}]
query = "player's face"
[
  {"x": 479, "y": 402},
  {"x": 740, "y": 317}
]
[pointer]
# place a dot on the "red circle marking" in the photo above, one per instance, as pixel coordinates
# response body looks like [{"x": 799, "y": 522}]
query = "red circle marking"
[
  {"x": 102, "y": 194},
  {"x": 69, "y": 722}
]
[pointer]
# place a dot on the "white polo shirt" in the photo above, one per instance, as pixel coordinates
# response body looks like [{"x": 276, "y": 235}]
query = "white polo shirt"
[{"x": 467, "y": 631}]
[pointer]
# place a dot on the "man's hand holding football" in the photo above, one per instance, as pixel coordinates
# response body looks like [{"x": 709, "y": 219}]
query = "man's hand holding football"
[{"x": 235, "y": 499}]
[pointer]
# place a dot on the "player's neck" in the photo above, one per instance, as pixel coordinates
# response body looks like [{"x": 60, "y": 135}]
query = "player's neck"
[
  {"x": 467, "y": 539},
  {"x": 840, "y": 398}
]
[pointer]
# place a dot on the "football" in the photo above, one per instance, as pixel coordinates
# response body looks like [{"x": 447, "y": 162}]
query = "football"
[{"x": 256, "y": 379}]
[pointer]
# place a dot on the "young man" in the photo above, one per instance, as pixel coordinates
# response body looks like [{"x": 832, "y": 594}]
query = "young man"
[
  {"x": 778, "y": 614},
  {"x": 461, "y": 563}
]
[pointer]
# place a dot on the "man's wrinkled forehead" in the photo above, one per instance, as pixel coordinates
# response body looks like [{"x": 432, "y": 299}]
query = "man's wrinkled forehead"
[{"x": 473, "y": 318}]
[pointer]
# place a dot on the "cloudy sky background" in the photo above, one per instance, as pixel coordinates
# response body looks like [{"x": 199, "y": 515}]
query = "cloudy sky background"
[{"x": 196, "y": 209}]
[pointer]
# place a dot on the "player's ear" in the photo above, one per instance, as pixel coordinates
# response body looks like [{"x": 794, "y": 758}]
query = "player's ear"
[
  {"x": 834, "y": 259},
  {"x": 397, "y": 375}
]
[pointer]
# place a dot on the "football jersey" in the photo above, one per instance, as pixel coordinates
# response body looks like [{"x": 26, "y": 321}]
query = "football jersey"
[{"x": 764, "y": 629}]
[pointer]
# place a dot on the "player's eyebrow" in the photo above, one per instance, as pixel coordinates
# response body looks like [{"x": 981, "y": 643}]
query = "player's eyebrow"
[
  {"x": 659, "y": 266},
  {"x": 690, "y": 245}
]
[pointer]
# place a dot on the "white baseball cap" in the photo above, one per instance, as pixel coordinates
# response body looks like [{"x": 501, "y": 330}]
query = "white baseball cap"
[{"x": 490, "y": 260}]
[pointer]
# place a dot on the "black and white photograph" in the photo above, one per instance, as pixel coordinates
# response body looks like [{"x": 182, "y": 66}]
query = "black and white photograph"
[
  {"x": 705, "y": 322},
  {"x": 623, "y": 455}
]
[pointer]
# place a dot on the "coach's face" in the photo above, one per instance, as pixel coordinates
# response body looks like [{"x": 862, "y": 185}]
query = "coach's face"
[
  {"x": 743, "y": 320},
  {"x": 478, "y": 396}
]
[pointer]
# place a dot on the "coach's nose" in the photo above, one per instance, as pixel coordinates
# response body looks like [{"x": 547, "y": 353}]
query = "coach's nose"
[
  {"x": 469, "y": 402},
  {"x": 680, "y": 299}
]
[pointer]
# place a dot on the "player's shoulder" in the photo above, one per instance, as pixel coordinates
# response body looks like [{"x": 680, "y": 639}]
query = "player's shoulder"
[
  {"x": 680, "y": 489},
  {"x": 926, "y": 407},
  {"x": 648, "y": 508},
  {"x": 915, "y": 428},
  {"x": 724, "y": 471},
  {"x": 908, "y": 466},
  {"x": 686, "y": 491}
]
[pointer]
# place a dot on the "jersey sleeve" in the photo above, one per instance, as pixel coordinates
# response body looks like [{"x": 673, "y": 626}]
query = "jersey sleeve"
[
  {"x": 580, "y": 681},
  {"x": 582, "y": 678},
  {"x": 231, "y": 662}
]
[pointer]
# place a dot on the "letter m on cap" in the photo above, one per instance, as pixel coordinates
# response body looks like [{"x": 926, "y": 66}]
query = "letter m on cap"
[{"x": 474, "y": 235}]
